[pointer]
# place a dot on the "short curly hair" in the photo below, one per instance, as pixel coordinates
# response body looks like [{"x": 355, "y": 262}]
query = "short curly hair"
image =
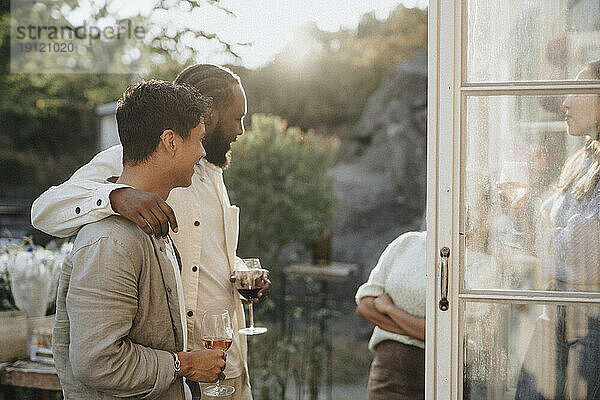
[{"x": 148, "y": 108}]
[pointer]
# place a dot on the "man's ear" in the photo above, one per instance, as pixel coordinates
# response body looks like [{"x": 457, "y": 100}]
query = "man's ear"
[{"x": 168, "y": 140}]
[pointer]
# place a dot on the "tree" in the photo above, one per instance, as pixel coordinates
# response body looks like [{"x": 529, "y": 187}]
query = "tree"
[
  {"x": 48, "y": 124},
  {"x": 113, "y": 36},
  {"x": 328, "y": 87}
]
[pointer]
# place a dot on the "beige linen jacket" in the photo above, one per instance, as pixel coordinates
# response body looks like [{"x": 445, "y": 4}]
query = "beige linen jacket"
[
  {"x": 117, "y": 316},
  {"x": 62, "y": 210}
]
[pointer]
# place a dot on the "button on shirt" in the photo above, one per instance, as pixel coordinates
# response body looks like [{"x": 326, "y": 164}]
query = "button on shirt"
[
  {"x": 209, "y": 245},
  {"x": 203, "y": 249}
]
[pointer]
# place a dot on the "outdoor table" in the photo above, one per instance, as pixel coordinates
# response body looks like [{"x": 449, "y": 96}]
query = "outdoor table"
[
  {"x": 29, "y": 374},
  {"x": 333, "y": 272}
]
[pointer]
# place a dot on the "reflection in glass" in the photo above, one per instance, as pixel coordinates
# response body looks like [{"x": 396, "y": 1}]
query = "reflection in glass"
[
  {"x": 569, "y": 237},
  {"x": 515, "y": 40},
  {"x": 518, "y": 351},
  {"x": 531, "y": 193}
]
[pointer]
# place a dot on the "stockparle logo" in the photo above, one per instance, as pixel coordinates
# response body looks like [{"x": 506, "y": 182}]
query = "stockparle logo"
[{"x": 45, "y": 39}]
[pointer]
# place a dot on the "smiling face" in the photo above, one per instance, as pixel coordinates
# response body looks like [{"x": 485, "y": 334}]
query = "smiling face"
[
  {"x": 582, "y": 111},
  {"x": 226, "y": 125},
  {"x": 188, "y": 155}
]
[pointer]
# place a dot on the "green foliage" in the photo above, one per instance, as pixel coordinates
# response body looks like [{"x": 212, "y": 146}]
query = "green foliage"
[
  {"x": 322, "y": 80},
  {"x": 300, "y": 353},
  {"x": 48, "y": 122},
  {"x": 278, "y": 177},
  {"x": 48, "y": 125},
  {"x": 352, "y": 359},
  {"x": 163, "y": 36}
]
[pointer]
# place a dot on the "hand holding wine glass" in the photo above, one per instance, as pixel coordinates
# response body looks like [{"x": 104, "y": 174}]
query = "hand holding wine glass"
[
  {"x": 513, "y": 191},
  {"x": 513, "y": 184},
  {"x": 263, "y": 285},
  {"x": 202, "y": 365},
  {"x": 249, "y": 279},
  {"x": 217, "y": 333}
]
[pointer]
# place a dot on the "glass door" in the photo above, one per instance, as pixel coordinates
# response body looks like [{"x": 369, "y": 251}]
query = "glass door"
[{"x": 514, "y": 200}]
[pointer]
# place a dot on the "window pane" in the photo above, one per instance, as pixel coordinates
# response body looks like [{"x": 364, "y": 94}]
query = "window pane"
[
  {"x": 515, "y": 40},
  {"x": 519, "y": 351},
  {"x": 531, "y": 216}
]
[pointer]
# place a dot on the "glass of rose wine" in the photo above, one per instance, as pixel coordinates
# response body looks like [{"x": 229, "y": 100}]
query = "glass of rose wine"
[
  {"x": 217, "y": 333},
  {"x": 249, "y": 279}
]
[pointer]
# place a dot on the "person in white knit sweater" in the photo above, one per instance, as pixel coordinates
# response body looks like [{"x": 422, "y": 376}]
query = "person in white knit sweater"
[{"x": 393, "y": 299}]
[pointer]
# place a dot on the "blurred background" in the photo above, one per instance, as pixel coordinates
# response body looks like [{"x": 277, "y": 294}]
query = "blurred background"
[{"x": 340, "y": 86}]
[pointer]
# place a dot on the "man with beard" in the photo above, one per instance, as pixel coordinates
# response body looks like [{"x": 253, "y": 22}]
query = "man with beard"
[
  {"x": 119, "y": 308},
  {"x": 207, "y": 235}
]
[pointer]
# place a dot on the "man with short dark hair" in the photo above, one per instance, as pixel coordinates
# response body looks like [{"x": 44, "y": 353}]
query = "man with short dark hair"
[
  {"x": 208, "y": 224},
  {"x": 119, "y": 312}
]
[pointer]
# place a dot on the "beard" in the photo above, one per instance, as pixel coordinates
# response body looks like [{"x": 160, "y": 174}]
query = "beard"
[{"x": 218, "y": 148}]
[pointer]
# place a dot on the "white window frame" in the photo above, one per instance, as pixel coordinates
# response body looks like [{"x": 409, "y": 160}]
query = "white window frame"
[{"x": 447, "y": 94}]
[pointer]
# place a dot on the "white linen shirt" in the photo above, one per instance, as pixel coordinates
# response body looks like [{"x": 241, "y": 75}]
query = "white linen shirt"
[
  {"x": 400, "y": 272},
  {"x": 206, "y": 238},
  {"x": 207, "y": 247},
  {"x": 175, "y": 264}
]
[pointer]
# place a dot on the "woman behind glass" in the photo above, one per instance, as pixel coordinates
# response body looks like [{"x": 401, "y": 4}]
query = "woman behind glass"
[{"x": 569, "y": 247}]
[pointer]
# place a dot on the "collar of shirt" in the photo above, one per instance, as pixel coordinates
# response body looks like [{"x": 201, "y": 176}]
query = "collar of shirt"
[{"x": 206, "y": 169}]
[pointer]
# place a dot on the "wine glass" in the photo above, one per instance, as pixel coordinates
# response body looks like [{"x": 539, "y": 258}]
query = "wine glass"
[
  {"x": 217, "y": 333},
  {"x": 513, "y": 188},
  {"x": 249, "y": 279},
  {"x": 513, "y": 183}
]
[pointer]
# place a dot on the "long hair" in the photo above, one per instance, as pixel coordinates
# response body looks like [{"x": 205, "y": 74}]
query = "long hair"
[
  {"x": 211, "y": 80},
  {"x": 573, "y": 177}
]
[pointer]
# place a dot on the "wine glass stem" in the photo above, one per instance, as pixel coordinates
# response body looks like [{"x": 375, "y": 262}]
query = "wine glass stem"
[{"x": 251, "y": 306}]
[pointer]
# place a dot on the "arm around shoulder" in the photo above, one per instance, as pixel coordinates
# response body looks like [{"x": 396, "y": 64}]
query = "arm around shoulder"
[{"x": 62, "y": 210}]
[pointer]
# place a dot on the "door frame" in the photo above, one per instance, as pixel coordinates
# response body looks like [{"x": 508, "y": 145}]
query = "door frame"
[
  {"x": 444, "y": 77},
  {"x": 447, "y": 94}
]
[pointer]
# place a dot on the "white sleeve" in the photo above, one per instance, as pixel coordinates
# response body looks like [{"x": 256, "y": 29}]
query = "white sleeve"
[
  {"x": 62, "y": 210},
  {"x": 375, "y": 286}
]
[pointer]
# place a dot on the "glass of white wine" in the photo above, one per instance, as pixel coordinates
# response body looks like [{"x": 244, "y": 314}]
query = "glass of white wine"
[
  {"x": 513, "y": 182},
  {"x": 217, "y": 333},
  {"x": 513, "y": 189},
  {"x": 249, "y": 278}
]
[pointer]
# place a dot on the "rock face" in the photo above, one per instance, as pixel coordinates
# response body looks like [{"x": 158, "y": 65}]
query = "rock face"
[{"x": 381, "y": 188}]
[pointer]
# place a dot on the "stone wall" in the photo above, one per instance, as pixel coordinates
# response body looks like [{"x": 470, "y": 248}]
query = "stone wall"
[{"x": 381, "y": 182}]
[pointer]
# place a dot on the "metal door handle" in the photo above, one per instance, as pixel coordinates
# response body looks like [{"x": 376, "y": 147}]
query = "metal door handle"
[{"x": 445, "y": 255}]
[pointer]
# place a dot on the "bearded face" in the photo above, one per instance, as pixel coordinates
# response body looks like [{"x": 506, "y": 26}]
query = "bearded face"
[
  {"x": 230, "y": 125},
  {"x": 218, "y": 147}
]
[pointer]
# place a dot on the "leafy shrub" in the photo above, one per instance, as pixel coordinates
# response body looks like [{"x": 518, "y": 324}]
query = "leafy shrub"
[{"x": 278, "y": 178}]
